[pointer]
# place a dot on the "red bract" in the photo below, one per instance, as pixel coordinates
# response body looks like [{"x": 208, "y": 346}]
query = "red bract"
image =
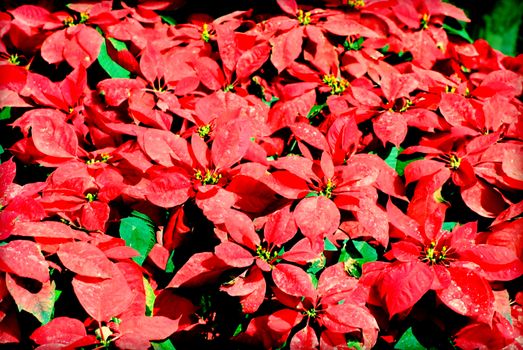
[{"x": 341, "y": 174}]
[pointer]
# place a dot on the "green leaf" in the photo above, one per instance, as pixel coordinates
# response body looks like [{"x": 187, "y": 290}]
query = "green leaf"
[
  {"x": 1, "y": 152},
  {"x": 502, "y": 26},
  {"x": 273, "y": 100},
  {"x": 355, "y": 45},
  {"x": 461, "y": 32},
  {"x": 402, "y": 163},
  {"x": 367, "y": 252},
  {"x": 356, "y": 253},
  {"x": 109, "y": 66},
  {"x": 5, "y": 114},
  {"x": 449, "y": 226},
  {"x": 150, "y": 297},
  {"x": 329, "y": 246},
  {"x": 408, "y": 341},
  {"x": 354, "y": 344},
  {"x": 170, "y": 264},
  {"x": 315, "y": 110},
  {"x": 392, "y": 157},
  {"x": 138, "y": 232},
  {"x": 312, "y": 194},
  {"x": 168, "y": 20},
  {"x": 164, "y": 345},
  {"x": 118, "y": 45},
  {"x": 238, "y": 330}
]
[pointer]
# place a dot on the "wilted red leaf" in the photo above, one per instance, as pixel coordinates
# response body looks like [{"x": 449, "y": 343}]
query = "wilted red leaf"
[
  {"x": 39, "y": 303},
  {"x": 24, "y": 259}
]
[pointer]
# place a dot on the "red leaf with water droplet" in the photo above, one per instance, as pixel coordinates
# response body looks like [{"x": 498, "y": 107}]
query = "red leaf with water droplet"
[{"x": 468, "y": 294}]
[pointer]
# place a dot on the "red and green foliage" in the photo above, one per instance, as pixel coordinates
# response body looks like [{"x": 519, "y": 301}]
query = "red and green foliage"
[{"x": 323, "y": 175}]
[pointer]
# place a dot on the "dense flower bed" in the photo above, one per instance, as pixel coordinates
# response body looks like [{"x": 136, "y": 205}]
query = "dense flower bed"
[{"x": 327, "y": 175}]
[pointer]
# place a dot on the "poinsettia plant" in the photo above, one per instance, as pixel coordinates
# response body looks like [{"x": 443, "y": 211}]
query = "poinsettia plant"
[{"x": 289, "y": 175}]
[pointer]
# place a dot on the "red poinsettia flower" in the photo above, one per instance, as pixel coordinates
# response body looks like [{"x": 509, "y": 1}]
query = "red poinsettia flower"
[{"x": 337, "y": 305}]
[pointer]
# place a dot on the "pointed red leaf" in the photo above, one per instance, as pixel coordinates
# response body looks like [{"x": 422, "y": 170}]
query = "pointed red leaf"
[
  {"x": 54, "y": 137},
  {"x": 305, "y": 338},
  {"x": 149, "y": 328},
  {"x": 151, "y": 64},
  {"x": 83, "y": 47},
  {"x": 230, "y": 143},
  {"x": 292, "y": 280},
  {"x": 103, "y": 299},
  {"x": 317, "y": 217},
  {"x": 251, "y": 60},
  {"x": 391, "y": 127},
  {"x": 53, "y": 47},
  {"x": 456, "y": 109},
  {"x": 85, "y": 259},
  {"x": 241, "y": 229},
  {"x": 280, "y": 227},
  {"x": 405, "y": 284},
  {"x": 233, "y": 254},
  {"x": 47, "y": 229},
  {"x": 169, "y": 188},
  {"x": 200, "y": 268},
  {"x": 286, "y": 48},
  {"x": 420, "y": 168},
  {"x": 483, "y": 199},
  {"x": 290, "y": 7},
  {"x": 117, "y": 90},
  {"x": 343, "y": 318},
  {"x": 310, "y": 134},
  {"x": 61, "y": 330}
]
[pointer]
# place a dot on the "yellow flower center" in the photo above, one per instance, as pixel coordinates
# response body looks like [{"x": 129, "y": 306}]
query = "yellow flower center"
[
  {"x": 205, "y": 33},
  {"x": 207, "y": 178},
  {"x": 337, "y": 85},
  {"x": 304, "y": 17},
  {"x": 356, "y": 4}
]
